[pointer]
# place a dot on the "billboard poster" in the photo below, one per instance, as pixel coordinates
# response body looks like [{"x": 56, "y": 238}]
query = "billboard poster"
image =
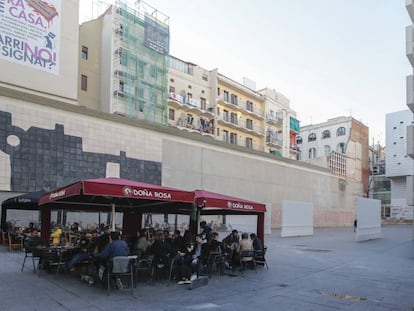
[
  {"x": 30, "y": 33},
  {"x": 157, "y": 36}
]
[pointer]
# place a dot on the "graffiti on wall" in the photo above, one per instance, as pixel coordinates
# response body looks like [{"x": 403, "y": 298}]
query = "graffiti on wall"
[{"x": 44, "y": 158}]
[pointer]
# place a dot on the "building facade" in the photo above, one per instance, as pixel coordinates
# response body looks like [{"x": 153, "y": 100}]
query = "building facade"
[
  {"x": 340, "y": 144},
  {"x": 399, "y": 166},
  {"x": 281, "y": 125},
  {"x": 124, "y": 63},
  {"x": 47, "y": 140}
]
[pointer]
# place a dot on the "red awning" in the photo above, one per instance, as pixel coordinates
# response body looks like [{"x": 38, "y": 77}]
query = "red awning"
[
  {"x": 118, "y": 188},
  {"x": 215, "y": 200}
]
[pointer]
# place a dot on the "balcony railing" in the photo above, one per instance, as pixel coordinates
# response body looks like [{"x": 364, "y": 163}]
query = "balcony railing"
[
  {"x": 274, "y": 141},
  {"x": 274, "y": 118},
  {"x": 241, "y": 105}
]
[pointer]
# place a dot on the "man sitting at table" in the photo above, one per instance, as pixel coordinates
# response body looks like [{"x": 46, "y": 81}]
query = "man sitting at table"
[
  {"x": 115, "y": 248},
  {"x": 33, "y": 241},
  {"x": 86, "y": 250}
]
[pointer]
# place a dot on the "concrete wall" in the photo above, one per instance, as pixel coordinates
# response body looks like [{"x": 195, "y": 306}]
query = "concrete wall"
[
  {"x": 46, "y": 146},
  {"x": 369, "y": 219},
  {"x": 297, "y": 219}
]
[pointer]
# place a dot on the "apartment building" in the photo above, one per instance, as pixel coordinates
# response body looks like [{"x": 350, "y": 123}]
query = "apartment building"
[
  {"x": 399, "y": 166},
  {"x": 240, "y": 114},
  {"x": 191, "y": 97},
  {"x": 340, "y": 144},
  {"x": 281, "y": 125},
  {"x": 124, "y": 62}
]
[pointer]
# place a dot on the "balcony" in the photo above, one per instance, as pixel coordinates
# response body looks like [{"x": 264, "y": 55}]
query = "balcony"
[
  {"x": 410, "y": 92},
  {"x": 274, "y": 118},
  {"x": 202, "y": 126},
  {"x": 274, "y": 141},
  {"x": 294, "y": 149},
  {"x": 241, "y": 105},
  {"x": 235, "y": 123},
  {"x": 410, "y": 141},
  {"x": 190, "y": 105},
  {"x": 409, "y": 44},
  {"x": 409, "y": 4}
]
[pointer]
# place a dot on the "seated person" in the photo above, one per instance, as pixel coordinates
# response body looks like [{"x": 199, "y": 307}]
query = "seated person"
[
  {"x": 29, "y": 228},
  {"x": 87, "y": 248},
  {"x": 55, "y": 235},
  {"x": 197, "y": 255},
  {"x": 257, "y": 243},
  {"x": 33, "y": 241},
  {"x": 244, "y": 245},
  {"x": 116, "y": 247}
]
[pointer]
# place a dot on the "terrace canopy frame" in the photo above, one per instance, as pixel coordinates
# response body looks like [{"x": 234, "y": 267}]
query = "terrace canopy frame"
[
  {"x": 134, "y": 198},
  {"x": 26, "y": 202},
  {"x": 212, "y": 203},
  {"x": 130, "y": 197}
]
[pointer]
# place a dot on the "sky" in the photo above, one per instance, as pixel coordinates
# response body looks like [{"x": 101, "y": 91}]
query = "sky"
[{"x": 331, "y": 58}]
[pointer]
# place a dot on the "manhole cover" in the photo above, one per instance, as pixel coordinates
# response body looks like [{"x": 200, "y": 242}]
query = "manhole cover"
[{"x": 344, "y": 297}]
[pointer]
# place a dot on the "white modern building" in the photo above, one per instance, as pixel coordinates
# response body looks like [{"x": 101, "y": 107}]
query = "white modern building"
[{"x": 399, "y": 166}]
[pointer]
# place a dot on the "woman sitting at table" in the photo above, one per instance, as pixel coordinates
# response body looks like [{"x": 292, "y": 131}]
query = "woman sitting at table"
[{"x": 55, "y": 235}]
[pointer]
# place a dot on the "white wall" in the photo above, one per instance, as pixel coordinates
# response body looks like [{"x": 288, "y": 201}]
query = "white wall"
[
  {"x": 297, "y": 218},
  {"x": 369, "y": 219}
]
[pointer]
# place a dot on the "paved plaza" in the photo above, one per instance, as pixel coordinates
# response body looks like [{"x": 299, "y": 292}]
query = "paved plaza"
[{"x": 326, "y": 271}]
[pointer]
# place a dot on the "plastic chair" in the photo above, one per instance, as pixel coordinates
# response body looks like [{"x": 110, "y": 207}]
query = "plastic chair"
[
  {"x": 216, "y": 259},
  {"x": 259, "y": 258},
  {"x": 35, "y": 254},
  {"x": 121, "y": 266},
  {"x": 159, "y": 263},
  {"x": 144, "y": 264},
  {"x": 247, "y": 257}
]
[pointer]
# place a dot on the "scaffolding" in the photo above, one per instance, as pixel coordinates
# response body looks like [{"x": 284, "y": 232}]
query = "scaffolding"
[{"x": 140, "y": 76}]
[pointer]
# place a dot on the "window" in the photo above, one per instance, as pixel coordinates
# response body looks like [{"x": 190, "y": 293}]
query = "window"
[
  {"x": 249, "y": 124},
  {"x": 233, "y": 118},
  {"x": 225, "y": 136},
  {"x": 84, "y": 52},
  {"x": 218, "y": 111},
  {"x": 172, "y": 89},
  {"x": 225, "y": 96},
  {"x": 121, "y": 86},
  {"x": 249, "y": 105},
  {"x": 233, "y": 138},
  {"x": 249, "y": 143},
  {"x": 218, "y": 131},
  {"x": 84, "y": 83},
  {"x": 299, "y": 140},
  {"x": 340, "y": 148},
  {"x": 312, "y": 137},
  {"x": 234, "y": 99},
  {"x": 341, "y": 131},
  {"x": 154, "y": 71},
  {"x": 327, "y": 150},
  {"x": 204, "y": 77},
  {"x": 218, "y": 91},
  {"x": 225, "y": 115},
  {"x": 312, "y": 153},
  {"x": 171, "y": 114},
  {"x": 190, "y": 87},
  {"x": 326, "y": 134},
  {"x": 203, "y": 103}
]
